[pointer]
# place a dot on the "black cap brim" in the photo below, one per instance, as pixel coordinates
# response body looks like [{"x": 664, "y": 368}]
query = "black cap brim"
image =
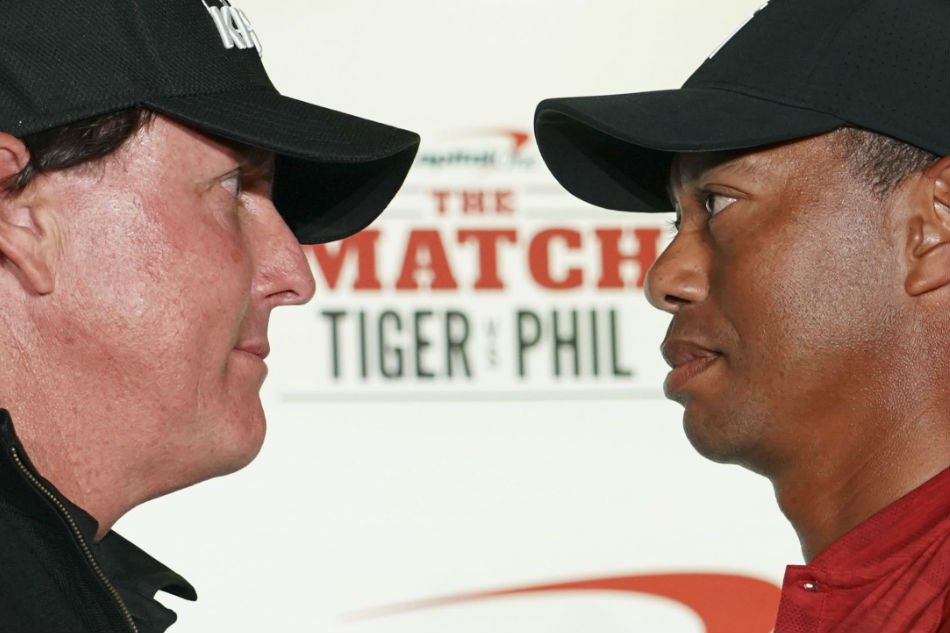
[
  {"x": 335, "y": 172},
  {"x": 615, "y": 151}
]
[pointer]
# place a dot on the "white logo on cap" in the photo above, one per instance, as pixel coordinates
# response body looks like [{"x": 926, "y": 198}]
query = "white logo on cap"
[
  {"x": 733, "y": 34},
  {"x": 234, "y": 27}
]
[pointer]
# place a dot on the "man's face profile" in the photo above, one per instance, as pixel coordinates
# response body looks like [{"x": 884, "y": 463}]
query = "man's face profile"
[
  {"x": 787, "y": 300},
  {"x": 156, "y": 193},
  {"x": 166, "y": 259},
  {"x": 808, "y": 283}
]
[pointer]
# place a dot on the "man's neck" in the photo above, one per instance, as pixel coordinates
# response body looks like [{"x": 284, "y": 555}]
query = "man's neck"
[
  {"x": 827, "y": 499},
  {"x": 76, "y": 475}
]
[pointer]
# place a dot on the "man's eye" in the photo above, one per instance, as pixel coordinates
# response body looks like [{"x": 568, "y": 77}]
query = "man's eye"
[
  {"x": 716, "y": 202},
  {"x": 232, "y": 184}
]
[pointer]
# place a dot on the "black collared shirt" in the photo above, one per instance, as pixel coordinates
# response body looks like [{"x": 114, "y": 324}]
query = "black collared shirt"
[
  {"x": 56, "y": 577},
  {"x": 135, "y": 575}
]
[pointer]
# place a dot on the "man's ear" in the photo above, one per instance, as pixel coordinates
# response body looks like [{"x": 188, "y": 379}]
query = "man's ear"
[
  {"x": 23, "y": 249},
  {"x": 929, "y": 244}
]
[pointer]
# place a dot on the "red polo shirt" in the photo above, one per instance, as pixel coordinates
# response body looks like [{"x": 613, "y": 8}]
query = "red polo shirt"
[{"x": 891, "y": 574}]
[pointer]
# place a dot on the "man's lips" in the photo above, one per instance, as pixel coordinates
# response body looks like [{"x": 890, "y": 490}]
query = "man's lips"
[
  {"x": 258, "y": 348},
  {"x": 688, "y": 360}
]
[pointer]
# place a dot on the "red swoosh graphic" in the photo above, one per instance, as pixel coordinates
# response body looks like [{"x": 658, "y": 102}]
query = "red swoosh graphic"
[
  {"x": 519, "y": 138},
  {"x": 725, "y": 603}
]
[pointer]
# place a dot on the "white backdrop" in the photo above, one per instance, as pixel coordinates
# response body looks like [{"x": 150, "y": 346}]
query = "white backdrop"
[{"x": 377, "y": 491}]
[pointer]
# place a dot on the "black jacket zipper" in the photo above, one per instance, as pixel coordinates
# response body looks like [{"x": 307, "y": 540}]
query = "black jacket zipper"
[{"x": 79, "y": 538}]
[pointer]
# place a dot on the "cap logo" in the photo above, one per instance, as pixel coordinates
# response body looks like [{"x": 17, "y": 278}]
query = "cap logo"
[{"x": 233, "y": 26}]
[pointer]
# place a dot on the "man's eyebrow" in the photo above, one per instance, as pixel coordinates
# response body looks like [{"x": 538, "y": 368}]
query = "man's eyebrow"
[
  {"x": 256, "y": 161},
  {"x": 731, "y": 162},
  {"x": 249, "y": 158},
  {"x": 738, "y": 164},
  {"x": 247, "y": 153}
]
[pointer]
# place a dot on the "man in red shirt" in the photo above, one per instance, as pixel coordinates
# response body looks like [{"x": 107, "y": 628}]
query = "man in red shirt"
[{"x": 808, "y": 164}]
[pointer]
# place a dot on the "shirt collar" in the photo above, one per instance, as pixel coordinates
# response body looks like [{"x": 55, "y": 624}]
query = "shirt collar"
[
  {"x": 138, "y": 577},
  {"x": 893, "y": 535},
  {"x": 125, "y": 563}
]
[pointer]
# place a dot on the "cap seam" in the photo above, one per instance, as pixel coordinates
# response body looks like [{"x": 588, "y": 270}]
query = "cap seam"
[
  {"x": 412, "y": 140},
  {"x": 581, "y": 117},
  {"x": 128, "y": 100},
  {"x": 195, "y": 93},
  {"x": 76, "y": 114},
  {"x": 149, "y": 47},
  {"x": 752, "y": 94},
  {"x": 819, "y": 58}
]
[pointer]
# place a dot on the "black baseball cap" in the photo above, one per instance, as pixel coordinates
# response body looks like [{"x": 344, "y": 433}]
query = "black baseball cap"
[
  {"x": 198, "y": 62},
  {"x": 798, "y": 68}
]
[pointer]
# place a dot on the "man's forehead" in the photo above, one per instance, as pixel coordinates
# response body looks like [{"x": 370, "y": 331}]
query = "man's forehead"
[
  {"x": 691, "y": 166},
  {"x": 761, "y": 162},
  {"x": 177, "y": 136},
  {"x": 245, "y": 155}
]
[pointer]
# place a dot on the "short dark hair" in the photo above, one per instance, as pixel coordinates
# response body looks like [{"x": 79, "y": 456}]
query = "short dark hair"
[
  {"x": 76, "y": 143},
  {"x": 882, "y": 162}
]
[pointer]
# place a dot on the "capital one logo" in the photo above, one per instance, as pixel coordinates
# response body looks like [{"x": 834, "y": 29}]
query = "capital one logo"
[{"x": 233, "y": 26}]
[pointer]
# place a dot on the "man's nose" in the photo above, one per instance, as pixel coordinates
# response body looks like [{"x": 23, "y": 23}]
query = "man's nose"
[
  {"x": 283, "y": 274},
  {"x": 680, "y": 275}
]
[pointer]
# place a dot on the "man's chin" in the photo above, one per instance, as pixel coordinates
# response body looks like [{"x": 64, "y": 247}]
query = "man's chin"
[
  {"x": 226, "y": 451},
  {"x": 250, "y": 440},
  {"x": 240, "y": 439},
  {"x": 723, "y": 439}
]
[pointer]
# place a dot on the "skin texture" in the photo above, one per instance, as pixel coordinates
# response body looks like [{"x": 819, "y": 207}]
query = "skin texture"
[
  {"x": 137, "y": 292},
  {"x": 809, "y": 325}
]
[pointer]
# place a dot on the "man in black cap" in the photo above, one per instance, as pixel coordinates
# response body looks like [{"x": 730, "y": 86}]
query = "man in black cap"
[
  {"x": 808, "y": 283},
  {"x": 156, "y": 189}
]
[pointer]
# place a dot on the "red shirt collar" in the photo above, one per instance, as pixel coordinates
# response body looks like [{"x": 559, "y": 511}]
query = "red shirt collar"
[
  {"x": 890, "y": 574},
  {"x": 892, "y": 536}
]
